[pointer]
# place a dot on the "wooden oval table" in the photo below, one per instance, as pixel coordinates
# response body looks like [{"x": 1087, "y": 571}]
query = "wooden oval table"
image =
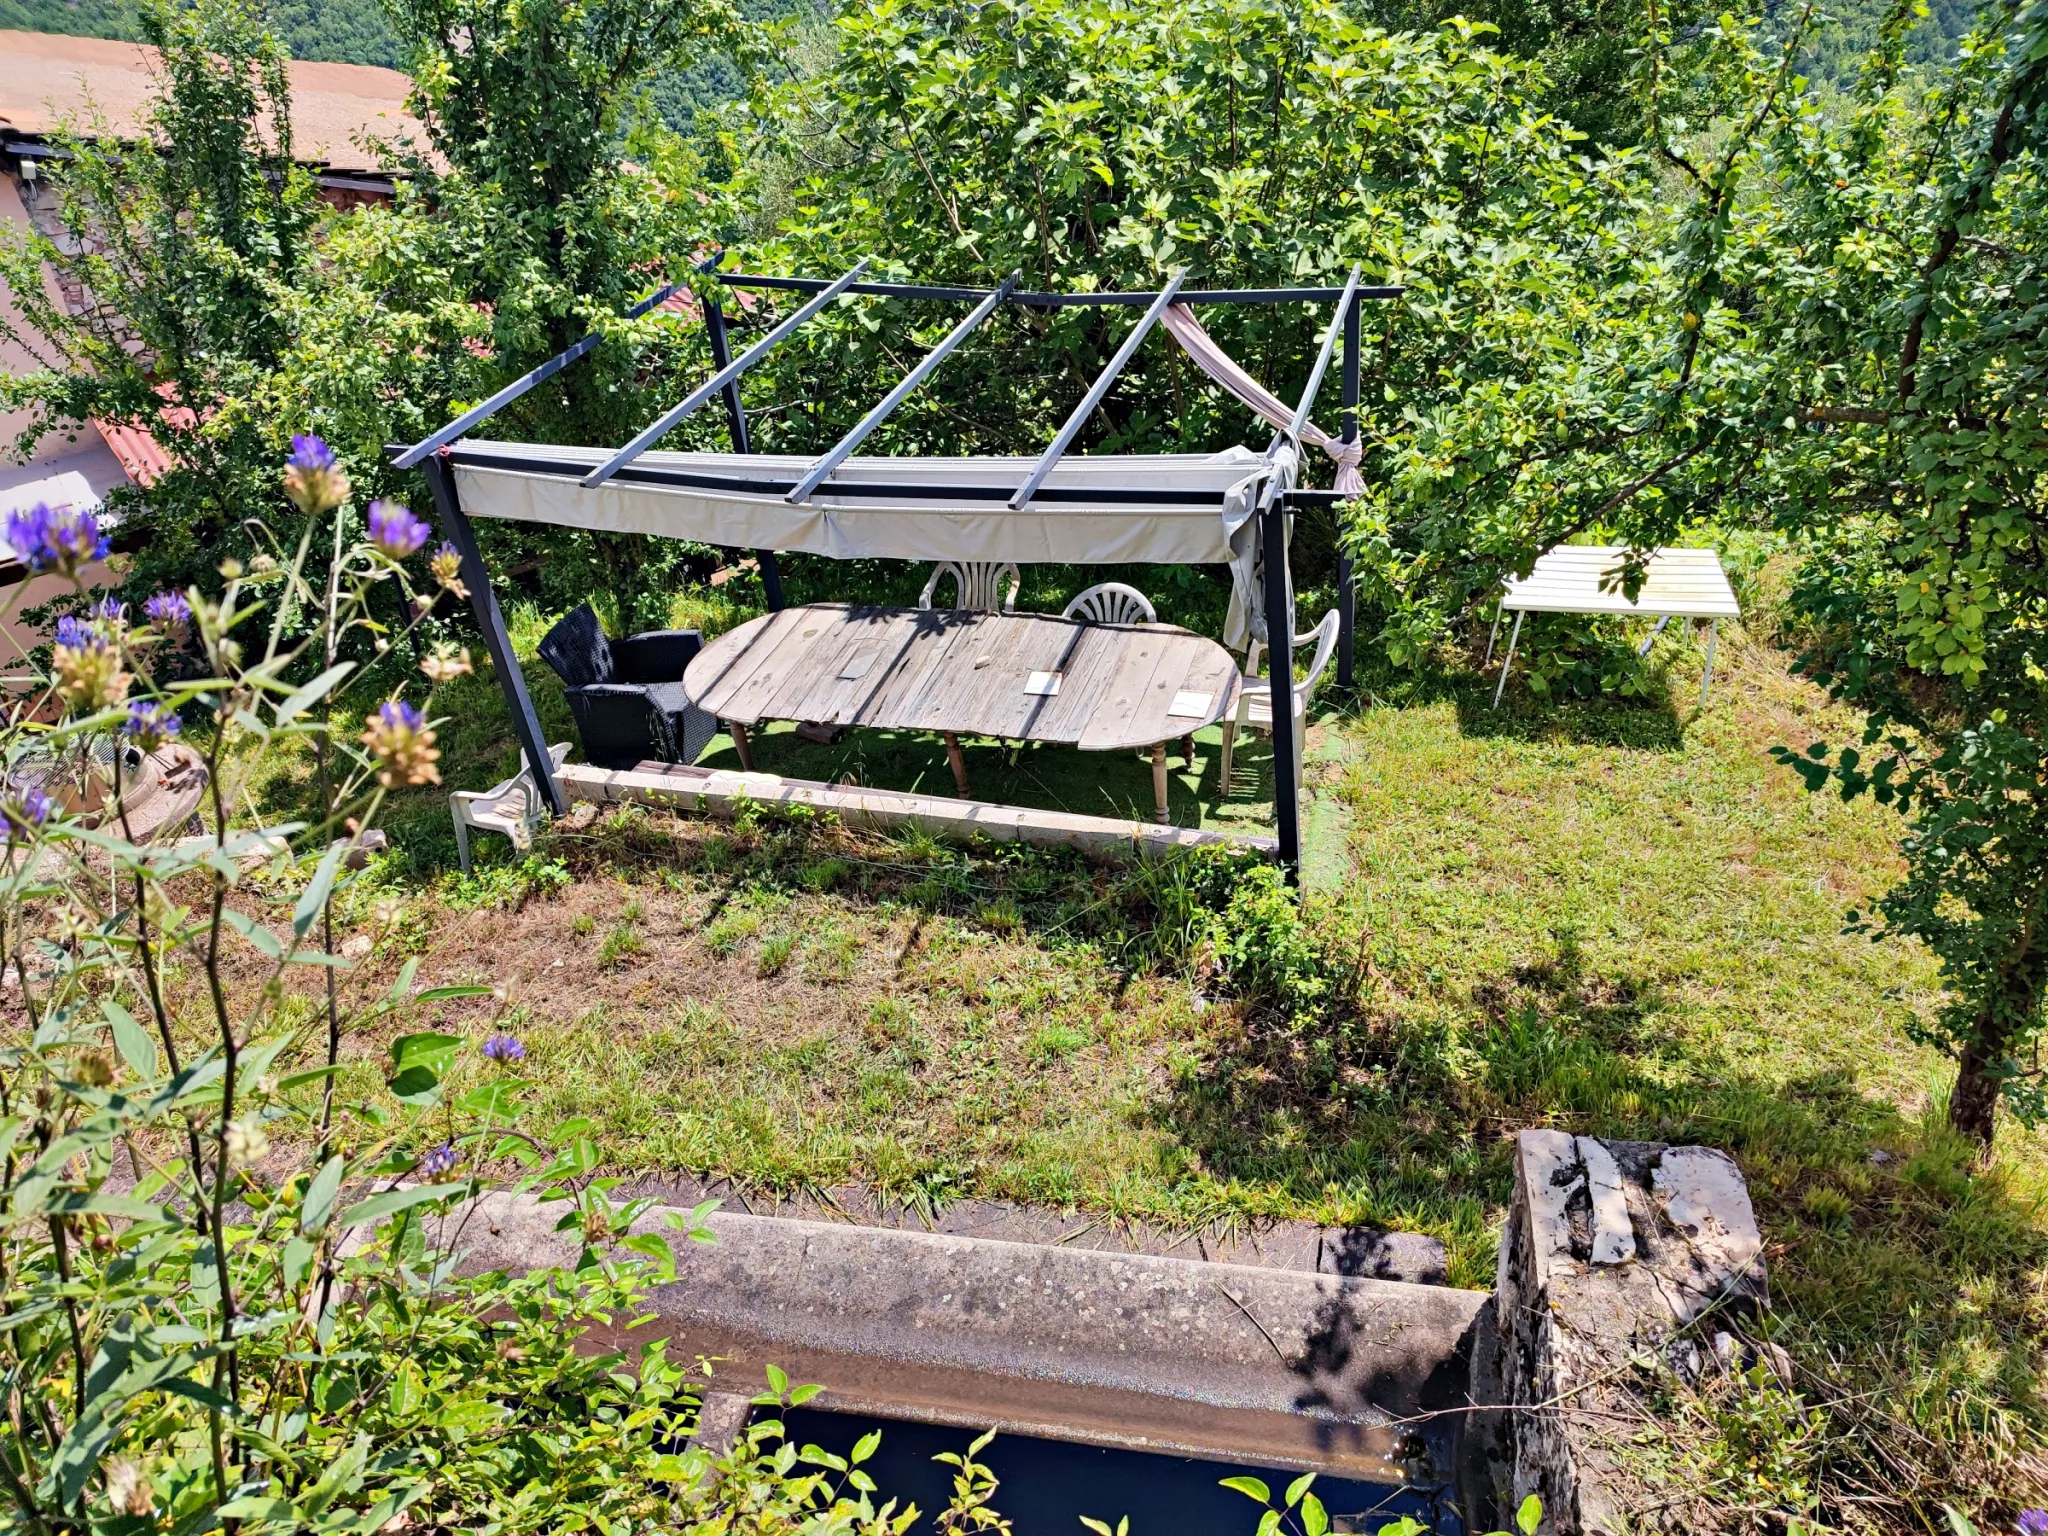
[{"x": 1012, "y": 676}]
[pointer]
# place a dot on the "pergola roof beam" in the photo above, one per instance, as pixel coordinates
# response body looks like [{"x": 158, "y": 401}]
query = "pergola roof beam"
[
  {"x": 1315, "y": 379},
  {"x": 1032, "y": 300},
  {"x": 436, "y": 441},
  {"x": 660, "y": 428},
  {"x": 1096, "y": 391},
  {"x": 822, "y": 470}
]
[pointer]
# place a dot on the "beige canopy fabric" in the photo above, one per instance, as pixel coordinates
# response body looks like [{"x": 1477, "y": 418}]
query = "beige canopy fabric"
[
  {"x": 739, "y": 500},
  {"x": 1201, "y": 347}
]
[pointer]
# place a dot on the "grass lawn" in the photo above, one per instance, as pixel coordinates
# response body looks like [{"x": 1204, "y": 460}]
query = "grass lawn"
[{"x": 1616, "y": 917}]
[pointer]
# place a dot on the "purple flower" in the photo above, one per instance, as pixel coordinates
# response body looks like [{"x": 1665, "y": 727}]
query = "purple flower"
[
  {"x": 21, "y": 814},
  {"x": 110, "y": 612},
  {"x": 170, "y": 609},
  {"x": 395, "y": 531},
  {"x": 439, "y": 1161},
  {"x": 170, "y": 613},
  {"x": 506, "y": 1048},
  {"x": 403, "y": 744},
  {"x": 149, "y": 725},
  {"x": 312, "y": 479},
  {"x": 2033, "y": 1522},
  {"x": 59, "y": 539},
  {"x": 85, "y": 665},
  {"x": 309, "y": 452}
]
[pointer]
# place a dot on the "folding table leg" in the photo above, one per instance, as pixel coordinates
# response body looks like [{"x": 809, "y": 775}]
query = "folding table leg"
[
  {"x": 1492, "y": 635},
  {"x": 1508, "y": 660},
  {"x": 1159, "y": 779},
  {"x": 1706, "y": 677},
  {"x": 959, "y": 761}
]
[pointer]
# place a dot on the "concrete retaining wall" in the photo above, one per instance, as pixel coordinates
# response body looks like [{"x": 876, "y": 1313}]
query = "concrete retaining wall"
[{"x": 1284, "y": 1367}]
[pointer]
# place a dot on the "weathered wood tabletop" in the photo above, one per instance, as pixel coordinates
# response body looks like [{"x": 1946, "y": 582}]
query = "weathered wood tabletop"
[{"x": 1119, "y": 686}]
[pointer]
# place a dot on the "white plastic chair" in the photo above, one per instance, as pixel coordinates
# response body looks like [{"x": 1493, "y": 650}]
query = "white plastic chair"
[
  {"x": 514, "y": 807},
  {"x": 1111, "y": 602},
  {"x": 976, "y": 585},
  {"x": 1255, "y": 696}
]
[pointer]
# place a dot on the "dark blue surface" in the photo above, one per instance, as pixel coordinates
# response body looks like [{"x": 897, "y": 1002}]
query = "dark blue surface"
[{"x": 1047, "y": 1485}]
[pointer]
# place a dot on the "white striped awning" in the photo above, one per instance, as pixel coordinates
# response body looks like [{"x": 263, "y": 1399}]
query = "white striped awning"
[{"x": 1683, "y": 583}]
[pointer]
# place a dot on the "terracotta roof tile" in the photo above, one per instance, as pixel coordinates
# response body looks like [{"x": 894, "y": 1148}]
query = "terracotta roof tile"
[{"x": 46, "y": 79}]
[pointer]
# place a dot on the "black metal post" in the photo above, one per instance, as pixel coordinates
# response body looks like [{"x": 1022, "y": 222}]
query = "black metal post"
[
  {"x": 1280, "y": 672},
  {"x": 1347, "y": 591},
  {"x": 736, "y": 420},
  {"x": 483, "y": 603}
]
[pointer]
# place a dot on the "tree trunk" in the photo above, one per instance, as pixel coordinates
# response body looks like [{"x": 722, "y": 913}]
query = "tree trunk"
[
  {"x": 2014, "y": 1006},
  {"x": 1973, "y": 1106}
]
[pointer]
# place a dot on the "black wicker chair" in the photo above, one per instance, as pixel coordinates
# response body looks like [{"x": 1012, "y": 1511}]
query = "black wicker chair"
[{"x": 627, "y": 695}]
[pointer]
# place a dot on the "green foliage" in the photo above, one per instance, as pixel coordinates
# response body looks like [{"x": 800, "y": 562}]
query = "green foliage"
[
  {"x": 208, "y": 1338},
  {"x": 507, "y": 885},
  {"x": 229, "y": 304}
]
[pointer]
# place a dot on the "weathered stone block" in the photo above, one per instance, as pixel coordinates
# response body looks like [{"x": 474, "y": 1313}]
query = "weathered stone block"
[{"x": 1613, "y": 1255}]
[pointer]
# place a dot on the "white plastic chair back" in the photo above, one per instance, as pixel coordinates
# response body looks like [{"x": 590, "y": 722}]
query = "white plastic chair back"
[
  {"x": 1111, "y": 602},
  {"x": 977, "y": 585},
  {"x": 1325, "y": 637}
]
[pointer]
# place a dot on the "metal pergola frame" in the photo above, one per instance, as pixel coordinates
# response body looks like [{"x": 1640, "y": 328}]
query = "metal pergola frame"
[{"x": 438, "y": 454}]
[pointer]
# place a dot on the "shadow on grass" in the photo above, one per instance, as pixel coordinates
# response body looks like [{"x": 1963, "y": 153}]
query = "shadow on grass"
[
  {"x": 1647, "y": 723},
  {"x": 1906, "y": 1281}
]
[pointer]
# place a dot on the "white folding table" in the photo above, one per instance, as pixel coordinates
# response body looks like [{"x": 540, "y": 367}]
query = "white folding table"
[{"x": 1679, "y": 584}]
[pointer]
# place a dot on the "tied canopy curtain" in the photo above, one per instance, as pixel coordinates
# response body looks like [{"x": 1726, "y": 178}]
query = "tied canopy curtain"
[{"x": 1220, "y": 366}]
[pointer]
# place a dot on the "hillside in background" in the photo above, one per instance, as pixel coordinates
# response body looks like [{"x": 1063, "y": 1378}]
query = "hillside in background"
[
  {"x": 351, "y": 33},
  {"x": 356, "y": 32}
]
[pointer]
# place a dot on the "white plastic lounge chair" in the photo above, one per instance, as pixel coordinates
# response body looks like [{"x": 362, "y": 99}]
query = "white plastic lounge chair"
[
  {"x": 1255, "y": 696},
  {"x": 514, "y": 807},
  {"x": 976, "y": 586},
  {"x": 1111, "y": 602}
]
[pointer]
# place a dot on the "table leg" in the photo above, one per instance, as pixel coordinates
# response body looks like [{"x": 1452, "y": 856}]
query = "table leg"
[
  {"x": 1159, "y": 779},
  {"x": 1187, "y": 751},
  {"x": 1514, "y": 639},
  {"x": 740, "y": 745},
  {"x": 1229, "y": 748},
  {"x": 1706, "y": 677},
  {"x": 959, "y": 761}
]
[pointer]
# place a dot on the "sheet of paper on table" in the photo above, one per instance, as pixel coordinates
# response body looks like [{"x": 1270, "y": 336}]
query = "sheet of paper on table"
[
  {"x": 1044, "y": 683},
  {"x": 857, "y": 668},
  {"x": 1193, "y": 706}
]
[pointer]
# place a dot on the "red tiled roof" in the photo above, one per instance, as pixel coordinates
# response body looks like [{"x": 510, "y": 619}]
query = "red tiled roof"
[
  {"x": 47, "y": 81},
  {"x": 140, "y": 454}
]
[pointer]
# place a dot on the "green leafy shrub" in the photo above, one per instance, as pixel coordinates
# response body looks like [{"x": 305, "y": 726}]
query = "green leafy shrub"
[{"x": 213, "y": 1333}]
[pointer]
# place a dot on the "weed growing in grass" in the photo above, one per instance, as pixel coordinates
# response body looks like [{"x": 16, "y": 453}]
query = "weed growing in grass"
[
  {"x": 733, "y": 929},
  {"x": 1057, "y": 1040},
  {"x": 582, "y": 925},
  {"x": 823, "y": 874},
  {"x": 496, "y": 886},
  {"x": 831, "y": 954},
  {"x": 775, "y": 953},
  {"x": 633, "y": 911},
  {"x": 891, "y": 1018},
  {"x": 621, "y": 944},
  {"x": 1000, "y": 916}
]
